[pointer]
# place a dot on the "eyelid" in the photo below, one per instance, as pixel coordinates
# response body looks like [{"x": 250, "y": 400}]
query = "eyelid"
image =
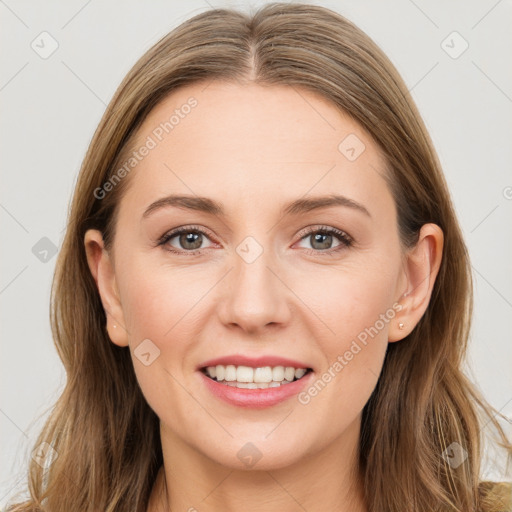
[
  {"x": 346, "y": 241},
  {"x": 183, "y": 229},
  {"x": 316, "y": 228}
]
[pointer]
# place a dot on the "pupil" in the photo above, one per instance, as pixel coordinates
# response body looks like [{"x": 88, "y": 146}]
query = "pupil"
[
  {"x": 192, "y": 238},
  {"x": 326, "y": 242}
]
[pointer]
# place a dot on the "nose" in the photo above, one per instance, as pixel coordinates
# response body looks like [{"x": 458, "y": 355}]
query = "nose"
[{"x": 255, "y": 294}]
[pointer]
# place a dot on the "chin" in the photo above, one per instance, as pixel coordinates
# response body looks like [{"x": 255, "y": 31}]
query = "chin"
[{"x": 259, "y": 455}]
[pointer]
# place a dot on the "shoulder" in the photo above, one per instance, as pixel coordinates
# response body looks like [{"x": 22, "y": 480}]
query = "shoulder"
[{"x": 495, "y": 496}]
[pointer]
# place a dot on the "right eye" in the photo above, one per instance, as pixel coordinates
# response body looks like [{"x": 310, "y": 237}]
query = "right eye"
[{"x": 189, "y": 240}]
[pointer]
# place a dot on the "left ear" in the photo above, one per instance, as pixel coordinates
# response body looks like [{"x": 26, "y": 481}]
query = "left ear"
[{"x": 420, "y": 270}]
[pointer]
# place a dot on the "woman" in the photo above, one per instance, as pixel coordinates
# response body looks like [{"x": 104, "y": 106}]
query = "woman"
[{"x": 263, "y": 297}]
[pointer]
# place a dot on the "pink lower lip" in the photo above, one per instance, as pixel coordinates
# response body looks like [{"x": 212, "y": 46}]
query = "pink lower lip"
[{"x": 256, "y": 398}]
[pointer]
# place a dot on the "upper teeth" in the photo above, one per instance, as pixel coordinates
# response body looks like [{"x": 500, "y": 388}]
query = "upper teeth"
[{"x": 231, "y": 373}]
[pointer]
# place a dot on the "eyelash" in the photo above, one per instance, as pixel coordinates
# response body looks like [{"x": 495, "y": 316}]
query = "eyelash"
[{"x": 346, "y": 240}]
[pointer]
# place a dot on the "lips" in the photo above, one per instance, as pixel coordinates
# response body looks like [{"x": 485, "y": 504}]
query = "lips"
[
  {"x": 254, "y": 362},
  {"x": 255, "y": 398}
]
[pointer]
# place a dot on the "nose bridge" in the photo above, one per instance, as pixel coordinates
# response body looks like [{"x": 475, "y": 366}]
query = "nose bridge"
[{"x": 256, "y": 296}]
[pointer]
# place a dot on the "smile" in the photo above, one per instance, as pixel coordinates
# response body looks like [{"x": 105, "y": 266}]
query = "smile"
[{"x": 246, "y": 377}]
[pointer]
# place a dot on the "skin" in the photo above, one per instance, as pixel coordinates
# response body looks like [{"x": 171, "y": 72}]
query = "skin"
[{"x": 254, "y": 148}]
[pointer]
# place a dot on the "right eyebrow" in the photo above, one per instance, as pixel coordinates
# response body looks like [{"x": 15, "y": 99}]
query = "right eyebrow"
[{"x": 202, "y": 204}]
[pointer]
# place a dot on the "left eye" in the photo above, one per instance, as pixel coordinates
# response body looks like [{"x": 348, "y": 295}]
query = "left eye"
[{"x": 322, "y": 239}]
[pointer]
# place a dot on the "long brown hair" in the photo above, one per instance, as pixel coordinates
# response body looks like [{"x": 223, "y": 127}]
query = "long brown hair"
[{"x": 105, "y": 434}]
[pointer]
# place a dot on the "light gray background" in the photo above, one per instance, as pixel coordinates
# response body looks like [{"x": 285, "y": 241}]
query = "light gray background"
[{"x": 50, "y": 108}]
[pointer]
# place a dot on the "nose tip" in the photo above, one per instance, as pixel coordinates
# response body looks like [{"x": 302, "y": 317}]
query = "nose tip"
[{"x": 255, "y": 297}]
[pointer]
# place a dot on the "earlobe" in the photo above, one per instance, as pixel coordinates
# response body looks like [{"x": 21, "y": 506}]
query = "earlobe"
[
  {"x": 420, "y": 271},
  {"x": 102, "y": 270}
]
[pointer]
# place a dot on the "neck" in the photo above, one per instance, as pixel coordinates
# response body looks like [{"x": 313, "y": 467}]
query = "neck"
[{"x": 326, "y": 480}]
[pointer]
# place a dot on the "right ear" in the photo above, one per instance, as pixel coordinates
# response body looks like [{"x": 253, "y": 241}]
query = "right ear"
[{"x": 102, "y": 270}]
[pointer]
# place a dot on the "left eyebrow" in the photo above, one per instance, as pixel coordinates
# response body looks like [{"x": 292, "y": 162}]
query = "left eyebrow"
[
  {"x": 298, "y": 206},
  {"x": 315, "y": 203}
]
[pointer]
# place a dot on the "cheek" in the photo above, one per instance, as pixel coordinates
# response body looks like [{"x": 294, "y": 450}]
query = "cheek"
[
  {"x": 353, "y": 311},
  {"x": 162, "y": 304},
  {"x": 159, "y": 301},
  {"x": 348, "y": 299}
]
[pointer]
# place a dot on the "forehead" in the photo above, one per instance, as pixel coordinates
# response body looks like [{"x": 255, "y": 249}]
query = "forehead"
[{"x": 265, "y": 144}]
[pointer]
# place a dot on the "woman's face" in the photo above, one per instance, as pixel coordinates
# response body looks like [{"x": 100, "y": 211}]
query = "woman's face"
[{"x": 255, "y": 278}]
